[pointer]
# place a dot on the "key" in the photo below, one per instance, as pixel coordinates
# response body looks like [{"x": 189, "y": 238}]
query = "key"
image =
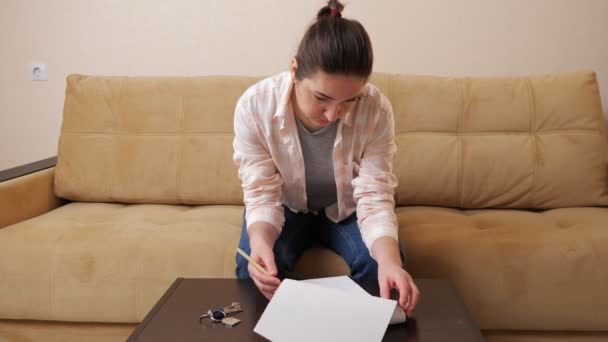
[
  {"x": 205, "y": 315},
  {"x": 230, "y": 309},
  {"x": 231, "y": 321},
  {"x": 233, "y": 308}
]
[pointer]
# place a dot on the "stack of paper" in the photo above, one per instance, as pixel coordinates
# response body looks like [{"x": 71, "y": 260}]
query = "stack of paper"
[{"x": 326, "y": 309}]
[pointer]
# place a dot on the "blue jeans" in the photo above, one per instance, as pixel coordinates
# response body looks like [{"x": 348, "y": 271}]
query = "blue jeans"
[{"x": 301, "y": 231}]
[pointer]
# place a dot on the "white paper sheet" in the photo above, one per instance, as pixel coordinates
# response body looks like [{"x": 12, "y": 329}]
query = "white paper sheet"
[
  {"x": 339, "y": 283},
  {"x": 304, "y": 312},
  {"x": 344, "y": 283}
]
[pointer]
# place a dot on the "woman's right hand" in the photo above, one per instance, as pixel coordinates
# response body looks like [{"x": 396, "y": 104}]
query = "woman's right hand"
[{"x": 262, "y": 237}]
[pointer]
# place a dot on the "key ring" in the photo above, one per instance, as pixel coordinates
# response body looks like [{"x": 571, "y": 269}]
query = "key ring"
[{"x": 218, "y": 314}]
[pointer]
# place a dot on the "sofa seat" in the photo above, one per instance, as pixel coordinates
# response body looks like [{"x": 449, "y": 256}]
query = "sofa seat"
[
  {"x": 102, "y": 262},
  {"x": 99, "y": 262},
  {"x": 517, "y": 270}
]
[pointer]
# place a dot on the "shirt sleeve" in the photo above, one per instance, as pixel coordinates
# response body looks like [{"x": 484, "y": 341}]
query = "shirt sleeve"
[
  {"x": 375, "y": 185},
  {"x": 261, "y": 181}
]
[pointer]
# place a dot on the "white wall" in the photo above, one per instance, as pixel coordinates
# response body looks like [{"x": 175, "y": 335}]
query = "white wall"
[{"x": 199, "y": 37}]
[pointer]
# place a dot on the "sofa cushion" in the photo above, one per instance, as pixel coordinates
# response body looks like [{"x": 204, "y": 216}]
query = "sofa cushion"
[
  {"x": 517, "y": 270},
  {"x": 499, "y": 142},
  {"x": 97, "y": 262},
  {"x": 149, "y": 140},
  {"x": 110, "y": 262}
]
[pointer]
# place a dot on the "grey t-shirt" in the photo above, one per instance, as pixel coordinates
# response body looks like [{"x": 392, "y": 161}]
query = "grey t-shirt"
[{"x": 318, "y": 149}]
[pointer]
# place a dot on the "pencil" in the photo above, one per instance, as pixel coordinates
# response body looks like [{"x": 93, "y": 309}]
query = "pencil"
[{"x": 248, "y": 258}]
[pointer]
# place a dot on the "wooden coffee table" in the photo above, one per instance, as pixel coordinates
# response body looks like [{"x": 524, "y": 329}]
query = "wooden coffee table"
[{"x": 440, "y": 315}]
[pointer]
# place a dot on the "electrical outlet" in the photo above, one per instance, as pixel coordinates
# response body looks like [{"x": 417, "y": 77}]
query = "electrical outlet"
[{"x": 37, "y": 72}]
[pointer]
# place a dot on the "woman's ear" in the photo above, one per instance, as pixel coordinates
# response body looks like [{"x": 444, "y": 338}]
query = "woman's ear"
[{"x": 294, "y": 68}]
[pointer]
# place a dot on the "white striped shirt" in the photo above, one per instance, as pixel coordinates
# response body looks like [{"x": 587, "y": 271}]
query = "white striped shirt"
[{"x": 271, "y": 166}]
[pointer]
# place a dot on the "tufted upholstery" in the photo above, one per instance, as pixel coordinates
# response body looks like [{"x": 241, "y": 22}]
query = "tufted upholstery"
[
  {"x": 498, "y": 141},
  {"x": 116, "y": 258},
  {"x": 149, "y": 140},
  {"x": 517, "y": 270},
  {"x": 125, "y": 254},
  {"x": 462, "y": 142}
]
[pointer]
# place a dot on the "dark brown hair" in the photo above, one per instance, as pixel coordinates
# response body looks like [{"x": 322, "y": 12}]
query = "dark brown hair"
[{"x": 334, "y": 45}]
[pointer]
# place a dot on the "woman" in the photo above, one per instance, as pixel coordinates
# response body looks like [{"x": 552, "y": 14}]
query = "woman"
[{"x": 315, "y": 148}]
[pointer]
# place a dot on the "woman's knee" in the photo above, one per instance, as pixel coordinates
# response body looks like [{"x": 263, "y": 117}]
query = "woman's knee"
[
  {"x": 242, "y": 272},
  {"x": 364, "y": 267}
]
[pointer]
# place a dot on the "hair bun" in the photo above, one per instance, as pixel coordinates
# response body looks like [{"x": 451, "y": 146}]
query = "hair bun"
[{"x": 332, "y": 9}]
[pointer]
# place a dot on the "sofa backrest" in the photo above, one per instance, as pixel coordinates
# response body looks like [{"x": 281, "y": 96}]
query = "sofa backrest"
[
  {"x": 526, "y": 142},
  {"x": 502, "y": 142},
  {"x": 149, "y": 140}
]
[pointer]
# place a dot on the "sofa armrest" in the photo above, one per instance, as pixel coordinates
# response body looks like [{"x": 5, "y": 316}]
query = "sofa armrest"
[{"x": 27, "y": 191}]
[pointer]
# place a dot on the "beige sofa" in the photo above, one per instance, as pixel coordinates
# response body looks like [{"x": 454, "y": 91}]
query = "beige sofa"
[{"x": 503, "y": 188}]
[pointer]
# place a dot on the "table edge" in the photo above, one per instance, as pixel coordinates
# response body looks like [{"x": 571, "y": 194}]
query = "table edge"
[{"x": 142, "y": 325}]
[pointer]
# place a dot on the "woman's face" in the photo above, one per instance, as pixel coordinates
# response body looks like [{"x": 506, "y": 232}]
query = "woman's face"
[{"x": 324, "y": 98}]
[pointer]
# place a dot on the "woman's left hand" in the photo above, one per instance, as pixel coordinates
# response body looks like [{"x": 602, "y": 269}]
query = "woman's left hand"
[{"x": 391, "y": 275}]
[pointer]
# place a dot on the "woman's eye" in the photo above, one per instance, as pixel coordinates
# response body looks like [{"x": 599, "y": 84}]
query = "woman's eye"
[{"x": 320, "y": 98}]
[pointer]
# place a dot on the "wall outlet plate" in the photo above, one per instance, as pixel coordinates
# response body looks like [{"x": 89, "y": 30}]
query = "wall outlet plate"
[{"x": 37, "y": 72}]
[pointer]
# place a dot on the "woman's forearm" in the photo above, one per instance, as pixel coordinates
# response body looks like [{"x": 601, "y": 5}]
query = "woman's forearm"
[{"x": 386, "y": 250}]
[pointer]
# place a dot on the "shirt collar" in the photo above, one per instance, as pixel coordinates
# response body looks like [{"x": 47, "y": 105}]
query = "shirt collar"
[{"x": 286, "y": 84}]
